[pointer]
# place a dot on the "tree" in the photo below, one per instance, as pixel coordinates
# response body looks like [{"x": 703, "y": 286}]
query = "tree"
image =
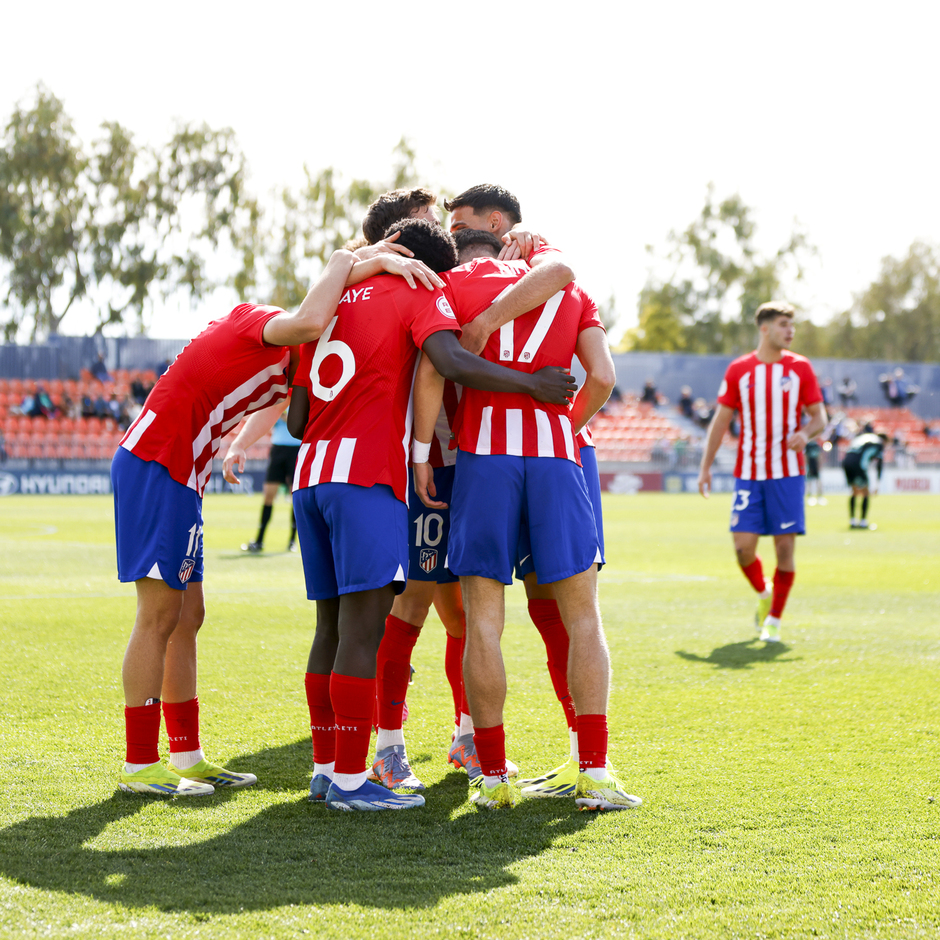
[
  {"x": 118, "y": 225},
  {"x": 718, "y": 280},
  {"x": 327, "y": 213},
  {"x": 897, "y": 316},
  {"x": 42, "y": 209}
]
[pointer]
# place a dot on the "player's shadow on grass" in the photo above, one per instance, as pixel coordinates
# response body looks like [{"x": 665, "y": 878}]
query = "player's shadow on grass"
[
  {"x": 292, "y": 852},
  {"x": 742, "y": 655}
]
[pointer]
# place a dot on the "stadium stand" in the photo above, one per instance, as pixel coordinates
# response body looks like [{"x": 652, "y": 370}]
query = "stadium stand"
[{"x": 64, "y": 434}]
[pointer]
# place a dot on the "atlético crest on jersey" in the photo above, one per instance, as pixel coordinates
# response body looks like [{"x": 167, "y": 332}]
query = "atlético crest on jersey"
[
  {"x": 428, "y": 559},
  {"x": 785, "y": 383},
  {"x": 186, "y": 570}
]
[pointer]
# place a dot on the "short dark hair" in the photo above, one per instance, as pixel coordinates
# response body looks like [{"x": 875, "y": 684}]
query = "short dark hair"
[
  {"x": 392, "y": 207},
  {"x": 486, "y": 198},
  {"x": 430, "y": 243},
  {"x": 765, "y": 313},
  {"x": 472, "y": 239}
]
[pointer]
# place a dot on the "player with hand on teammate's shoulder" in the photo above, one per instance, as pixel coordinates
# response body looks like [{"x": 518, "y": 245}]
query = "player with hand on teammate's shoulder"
[{"x": 770, "y": 388}]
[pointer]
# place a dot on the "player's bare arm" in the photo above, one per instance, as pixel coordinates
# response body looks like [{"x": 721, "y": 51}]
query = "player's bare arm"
[
  {"x": 255, "y": 427},
  {"x": 317, "y": 308},
  {"x": 298, "y": 412},
  {"x": 427, "y": 397},
  {"x": 548, "y": 276},
  {"x": 817, "y": 422},
  {"x": 551, "y": 384},
  {"x": 594, "y": 354},
  {"x": 716, "y": 432},
  {"x": 410, "y": 269}
]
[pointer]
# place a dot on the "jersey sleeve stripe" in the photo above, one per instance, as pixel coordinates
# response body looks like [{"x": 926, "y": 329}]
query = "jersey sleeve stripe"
[{"x": 140, "y": 425}]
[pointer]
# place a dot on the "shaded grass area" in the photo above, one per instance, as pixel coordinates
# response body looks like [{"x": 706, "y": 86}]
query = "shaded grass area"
[{"x": 787, "y": 789}]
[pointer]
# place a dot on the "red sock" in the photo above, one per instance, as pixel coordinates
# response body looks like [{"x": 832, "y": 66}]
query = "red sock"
[
  {"x": 754, "y": 572},
  {"x": 142, "y": 728},
  {"x": 453, "y": 667},
  {"x": 353, "y": 700},
  {"x": 491, "y": 750},
  {"x": 182, "y": 725},
  {"x": 783, "y": 581},
  {"x": 592, "y": 741},
  {"x": 548, "y": 622},
  {"x": 322, "y": 718},
  {"x": 393, "y": 670}
]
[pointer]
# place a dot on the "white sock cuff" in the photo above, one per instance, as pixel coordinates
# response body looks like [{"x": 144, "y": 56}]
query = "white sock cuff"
[
  {"x": 386, "y": 737},
  {"x": 183, "y": 760},
  {"x": 349, "y": 782}
]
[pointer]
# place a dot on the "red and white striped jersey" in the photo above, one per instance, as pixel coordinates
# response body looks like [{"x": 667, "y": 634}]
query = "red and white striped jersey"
[
  {"x": 226, "y": 372},
  {"x": 359, "y": 377},
  {"x": 584, "y": 437},
  {"x": 514, "y": 423},
  {"x": 770, "y": 398}
]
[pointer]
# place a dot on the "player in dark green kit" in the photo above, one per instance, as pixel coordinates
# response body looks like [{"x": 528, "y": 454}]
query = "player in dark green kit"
[{"x": 862, "y": 465}]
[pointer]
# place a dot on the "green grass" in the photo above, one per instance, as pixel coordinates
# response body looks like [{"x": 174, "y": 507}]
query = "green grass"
[{"x": 788, "y": 790}]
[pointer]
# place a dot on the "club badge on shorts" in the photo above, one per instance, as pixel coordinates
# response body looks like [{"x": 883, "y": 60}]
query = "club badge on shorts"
[
  {"x": 428, "y": 559},
  {"x": 186, "y": 570}
]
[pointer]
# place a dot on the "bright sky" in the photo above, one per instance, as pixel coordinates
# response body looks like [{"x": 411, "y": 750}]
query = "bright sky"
[{"x": 607, "y": 120}]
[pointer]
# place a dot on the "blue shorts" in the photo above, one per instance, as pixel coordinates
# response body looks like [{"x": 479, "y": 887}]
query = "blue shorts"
[
  {"x": 157, "y": 523},
  {"x": 592, "y": 481},
  {"x": 352, "y": 538},
  {"x": 769, "y": 507},
  {"x": 497, "y": 497},
  {"x": 428, "y": 531}
]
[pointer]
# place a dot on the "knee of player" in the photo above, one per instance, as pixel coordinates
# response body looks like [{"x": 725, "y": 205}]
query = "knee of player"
[{"x": 193, "y": 618}]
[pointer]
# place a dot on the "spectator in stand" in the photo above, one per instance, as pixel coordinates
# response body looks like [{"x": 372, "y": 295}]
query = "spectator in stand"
[
  {"x": 701, "y": 413},
  {"x": 847, "y": 391},
  {"x": 115, "y": 408},
  {"x": 138, "y": 391},
  {"x": 686, "y": 402},
  {"x": 649, "y": 393},
  {"x": 616, "y": 395},
  {"x": 99, "y": 370},
  {"x": 67, "y": 407},
  {"x": 163, "y": 367},
  {"x": 898, "y": 390},
  {"x": 37, "y": 404},
  {"x": 829, "y": 396},
  {"x": 101, "y": 406},
  {"x": 3, "y": 448},
  {"x": 88, "y": 407}
]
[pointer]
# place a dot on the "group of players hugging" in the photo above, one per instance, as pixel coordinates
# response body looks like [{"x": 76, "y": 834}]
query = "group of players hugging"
[{"x": 449, "y": 351}]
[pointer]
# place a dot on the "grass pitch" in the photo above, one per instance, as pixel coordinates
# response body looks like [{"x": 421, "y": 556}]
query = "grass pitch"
[{"x": 789, "y": 790}]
